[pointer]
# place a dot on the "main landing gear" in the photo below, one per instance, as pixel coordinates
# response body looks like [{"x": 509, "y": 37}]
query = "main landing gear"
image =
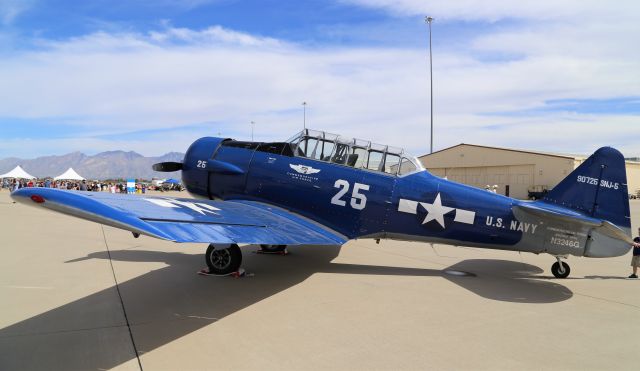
[
  {"x": 273, "y": 249},
  {"x": 223, "y": 261},
  {"x": 560, "y": 269}
]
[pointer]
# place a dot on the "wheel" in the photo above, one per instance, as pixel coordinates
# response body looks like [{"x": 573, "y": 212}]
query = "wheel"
[
  {"x": 533, "y": 198},
  {"x": 555, "y": 269},
  {"x": 273, "y": 248},
  {"x": 223, "y": 261}
]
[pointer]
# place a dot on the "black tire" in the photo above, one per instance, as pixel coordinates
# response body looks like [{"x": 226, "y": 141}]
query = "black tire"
[
  {"x": 533, "y": 198},
  {"x": 223, "y": 261},
  {"x": 555, "y": 269},
  {"x": 273, "y": 248}
]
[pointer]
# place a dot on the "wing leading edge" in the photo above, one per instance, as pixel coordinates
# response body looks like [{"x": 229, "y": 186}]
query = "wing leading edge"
[{"x": 185, "y": 220}]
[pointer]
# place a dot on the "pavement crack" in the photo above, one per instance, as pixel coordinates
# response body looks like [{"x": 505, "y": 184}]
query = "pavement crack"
[
  {"x": 124, "y": 310},
  {"x": 608, "y": 300}
]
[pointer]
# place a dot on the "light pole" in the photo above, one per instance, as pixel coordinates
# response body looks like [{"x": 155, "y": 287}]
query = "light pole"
[
  {"x": 304, "y": 115},
  {"x": 429, "y": 19},
  {"x": 252, "y": 125}
]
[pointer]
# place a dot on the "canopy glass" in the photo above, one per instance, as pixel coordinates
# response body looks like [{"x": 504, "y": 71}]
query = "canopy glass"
[{"x": 357, "y": 153}]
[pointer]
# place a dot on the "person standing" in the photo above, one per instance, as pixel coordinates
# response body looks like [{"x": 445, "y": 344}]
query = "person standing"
[{"x": 635, "y": 259}]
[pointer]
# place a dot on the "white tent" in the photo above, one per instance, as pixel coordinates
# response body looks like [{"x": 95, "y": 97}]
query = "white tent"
[
  {"x": 70, "y": 174},
  {"x": 19, "y": 173}
]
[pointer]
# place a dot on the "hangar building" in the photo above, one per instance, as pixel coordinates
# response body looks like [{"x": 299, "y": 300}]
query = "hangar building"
[{"x": 516, "y": 172}]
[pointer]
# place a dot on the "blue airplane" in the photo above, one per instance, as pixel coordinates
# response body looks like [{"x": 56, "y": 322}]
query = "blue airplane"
[{"x": 323, "y": 189}]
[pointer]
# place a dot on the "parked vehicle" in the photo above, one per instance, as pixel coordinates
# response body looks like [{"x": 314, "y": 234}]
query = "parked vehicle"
[{"x": 537, "y": 192}]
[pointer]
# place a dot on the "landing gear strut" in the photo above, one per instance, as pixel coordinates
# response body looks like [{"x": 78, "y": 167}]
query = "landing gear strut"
[
  {"x": 560, "y": 269},
  {"x": 222, "y": 261}
]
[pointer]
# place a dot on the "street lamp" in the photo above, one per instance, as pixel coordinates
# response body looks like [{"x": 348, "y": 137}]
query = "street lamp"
[
  {"x": 429, "y": 19},
  {"x": 304, "y": 115},
  {"x": 252, "y": 125}
]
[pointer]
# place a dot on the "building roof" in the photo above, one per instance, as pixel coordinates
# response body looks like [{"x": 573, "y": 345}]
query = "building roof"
[{"x": 568, "y": 156}]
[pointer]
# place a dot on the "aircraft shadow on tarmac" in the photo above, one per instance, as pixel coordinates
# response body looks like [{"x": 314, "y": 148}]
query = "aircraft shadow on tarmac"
[{"x": 183, "y": 302}]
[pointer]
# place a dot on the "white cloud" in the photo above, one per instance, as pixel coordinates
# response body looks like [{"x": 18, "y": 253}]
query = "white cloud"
[
  {"x": 213, "y": 35},
  {"x": 130, "y": 81},
  {"x": 11, "y": 9}
]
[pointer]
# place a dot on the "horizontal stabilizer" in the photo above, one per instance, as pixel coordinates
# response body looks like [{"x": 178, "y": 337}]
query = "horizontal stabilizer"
[{"x": 564, "y": 215}]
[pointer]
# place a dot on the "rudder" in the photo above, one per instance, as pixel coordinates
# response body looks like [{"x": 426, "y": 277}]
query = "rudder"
[{"x": 598, "y": 188}]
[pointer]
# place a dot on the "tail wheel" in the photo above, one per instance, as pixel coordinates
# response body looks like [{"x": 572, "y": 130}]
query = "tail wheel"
[
  {"x": 560, "y": 271},
  {"x": 223, "y": 261},
  {"x": 273, "y": 248}
]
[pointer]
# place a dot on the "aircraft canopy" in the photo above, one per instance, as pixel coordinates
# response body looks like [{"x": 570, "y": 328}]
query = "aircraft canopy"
[
  {"x": 70, "y": 174},
  {"x": 18, "y": 173},
  {"x": 357, "y": 153}
]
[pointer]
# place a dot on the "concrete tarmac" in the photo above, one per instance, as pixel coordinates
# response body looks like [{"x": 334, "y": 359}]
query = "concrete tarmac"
[{"x": 363, "y": 306}]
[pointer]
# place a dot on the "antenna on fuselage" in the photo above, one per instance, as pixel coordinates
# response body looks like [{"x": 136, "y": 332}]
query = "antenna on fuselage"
[{"x": 304, "y": 115}]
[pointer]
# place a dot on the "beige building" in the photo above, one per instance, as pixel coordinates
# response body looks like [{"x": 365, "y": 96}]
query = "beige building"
[{"x": 515, "y": 172}]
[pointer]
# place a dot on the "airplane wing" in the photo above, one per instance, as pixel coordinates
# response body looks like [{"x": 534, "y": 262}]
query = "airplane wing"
[
  {"x": 546, "y": 210},
  {"x": 185, "y": 220}
]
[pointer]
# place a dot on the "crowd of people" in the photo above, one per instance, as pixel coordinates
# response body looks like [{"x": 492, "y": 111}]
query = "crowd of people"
[{"x": 92, "y": 186}]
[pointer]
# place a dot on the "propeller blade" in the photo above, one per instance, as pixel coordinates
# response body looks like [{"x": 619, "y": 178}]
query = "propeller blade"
[{"x": 167, "y": 167}]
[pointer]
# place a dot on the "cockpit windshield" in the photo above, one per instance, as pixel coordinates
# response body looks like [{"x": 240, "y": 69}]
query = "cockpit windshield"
[{"x": 357, "y": 153}]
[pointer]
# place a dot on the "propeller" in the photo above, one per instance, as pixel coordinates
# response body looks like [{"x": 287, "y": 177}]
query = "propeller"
[{"x": 167, "y": 167}]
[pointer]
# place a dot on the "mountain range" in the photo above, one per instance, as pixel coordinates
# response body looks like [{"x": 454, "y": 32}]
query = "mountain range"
[{"x": 105, "y": 165}]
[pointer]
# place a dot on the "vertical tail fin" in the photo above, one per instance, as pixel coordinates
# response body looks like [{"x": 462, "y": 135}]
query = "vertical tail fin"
[{"x": 598, "y": 188}]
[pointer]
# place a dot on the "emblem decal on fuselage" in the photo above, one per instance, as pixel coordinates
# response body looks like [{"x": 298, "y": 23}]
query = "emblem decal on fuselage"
[
  {"x": 198, "y": 207},
  {"x": 436, "y": 211},
  {"x": 303, "y": 173},
  {"x": 303, "y": 169}
]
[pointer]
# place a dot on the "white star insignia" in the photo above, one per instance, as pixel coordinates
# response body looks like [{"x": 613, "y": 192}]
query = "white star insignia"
[
  {"x": 435, "y": 211},
  {"x": 198, "y": 207}
]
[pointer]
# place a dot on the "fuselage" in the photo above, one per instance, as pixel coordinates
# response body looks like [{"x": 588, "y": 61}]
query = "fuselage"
[
  {"x": 358, "y": 202},
  {"x": 362, "y": 203}
]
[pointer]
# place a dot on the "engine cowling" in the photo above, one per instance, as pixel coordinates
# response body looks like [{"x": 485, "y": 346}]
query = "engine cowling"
[{"x": 195, "y": 166}]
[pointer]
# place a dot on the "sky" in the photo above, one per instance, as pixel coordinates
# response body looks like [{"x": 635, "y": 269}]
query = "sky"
[{"x": 152, "y": 76}]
